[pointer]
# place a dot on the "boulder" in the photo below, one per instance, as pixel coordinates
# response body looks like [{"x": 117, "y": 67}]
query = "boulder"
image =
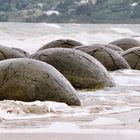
[
  {"x": 109, "y": 58},
  {"x": 132, "y": 56},
  {"x": 110, "y": 46},
  {"x": 82, "y": 70},
  {"x": 23, "y": 52},
  {"x": 61, "y": 43},
  {"x": 114, "y": 47},
  {"x": 7, "y": 53},
  {"x": 126, "y": 43},
  {"x": 29, "y": 80}
]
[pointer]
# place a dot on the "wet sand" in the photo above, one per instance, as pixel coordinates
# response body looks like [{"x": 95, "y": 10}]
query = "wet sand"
[
  {"x": 130, "y": 129},
  {"x": 70, "y": 136}
]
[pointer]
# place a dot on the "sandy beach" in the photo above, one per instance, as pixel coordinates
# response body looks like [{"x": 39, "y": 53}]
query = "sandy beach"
[{"x": 128, "y": 130}]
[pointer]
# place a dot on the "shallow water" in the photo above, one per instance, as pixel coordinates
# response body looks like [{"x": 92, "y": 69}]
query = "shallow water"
[{"x": 124, "y": 97}]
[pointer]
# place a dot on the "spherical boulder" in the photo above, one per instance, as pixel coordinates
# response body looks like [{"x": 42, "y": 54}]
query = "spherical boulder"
[
  {"x": 132, "y": 56},
  {"x": 126, "y": 43},
  {"x": 110, "y": 46},
  {"x": 61, "y": 43},
  {"x": 109, "y": 58},
  {"x": 23, "y": 52},
  {"x": 82, "y": 70},
  {"x": 7, "y": 53},
  {"x": 29, "y": 80},
  {"x": 114, "y": 47}
]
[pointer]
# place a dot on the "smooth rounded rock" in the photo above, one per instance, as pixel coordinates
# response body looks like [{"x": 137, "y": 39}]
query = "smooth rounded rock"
[
  {"x": 126, "y": 43},
  {"x": 110, "y": 46},
  {"x": 61, "y": 43},
  {"x": 132, "y": 56},
  {"x": 26, "y": 54},
  {"x": 109, "y": 58},
  {"x": 82, "y": 70},
  {"x": 29, "y": 80},
  {"x": 114, "y": 47},
  {"x": 8, "y": 53}
]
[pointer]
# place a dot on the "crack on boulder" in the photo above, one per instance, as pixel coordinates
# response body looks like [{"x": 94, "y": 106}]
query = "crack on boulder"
[{"x": 5, "y": 57}]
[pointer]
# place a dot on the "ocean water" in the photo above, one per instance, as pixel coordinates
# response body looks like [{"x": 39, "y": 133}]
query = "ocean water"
[{"x": 124, "y": 97}]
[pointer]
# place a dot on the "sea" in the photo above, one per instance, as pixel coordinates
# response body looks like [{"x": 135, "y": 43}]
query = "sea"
[{"x": 52, "y": 116}]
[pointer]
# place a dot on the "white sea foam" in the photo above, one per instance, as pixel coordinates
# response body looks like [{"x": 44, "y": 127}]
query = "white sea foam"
[
  {"x": 62, "y": 127},
  {"x": 51, "y": 12},
  {"x": 126, "y": 77},
  {"x": 57, "y": 26},
  {"x": 105, "y": 121},
  {"x": 123, "y": 31}
]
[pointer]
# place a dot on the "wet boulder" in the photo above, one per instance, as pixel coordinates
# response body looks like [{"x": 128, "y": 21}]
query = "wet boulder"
[
  {"x": 61, "y": 43},
  {"x": 29, "y": 80},
  {"x": 114, "y": 47},
  {"x": 132, "y": 56},
  {"x": 109, "y": 58},
  {"x": 126, "y": 43},
  {"x": 23, "y": 52},
  {"x": 110, "y": 46},
  {"x": 82, "y": 70},
  {"x": 8, "y": 53}
]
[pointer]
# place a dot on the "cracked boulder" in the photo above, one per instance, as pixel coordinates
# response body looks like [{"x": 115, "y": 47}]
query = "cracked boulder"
[
  {"x": 61, "y": 43},
  {"x": 23, "y": 52},
  {"x": 110, "y": 46},
  {"x": 82, "y": 70},
  {"x": 132, "y": 56},
  {"x": 8, "y": 53},
  {"x": 29, "y": 80},
  {"x": 109, "y": 58},
  {"x": 114, "y": 47},
  {"x": 126, "y": 43}
]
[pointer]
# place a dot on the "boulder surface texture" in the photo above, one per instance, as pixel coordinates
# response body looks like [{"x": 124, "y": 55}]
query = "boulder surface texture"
[
  {"x": 61, "y": 43},
  {"x": 108, "y": 57},
  {"x": 81, "y": 69},
  {"x": 29, "y": 80},
  {"x": 126, "y": 43}
]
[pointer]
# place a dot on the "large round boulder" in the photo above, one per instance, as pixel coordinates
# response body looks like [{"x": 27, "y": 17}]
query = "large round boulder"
[
  {"x": 29, "y": 80},
  {"x": 110, "y": 46},
  {"x": 82, "y": 70},
  {"x": 61, "y": 43},
  {"x": 8, "y": 53},
  {"x": 109, "y": 58},
  {"x": 132, "y": 56},
  {"x": 114, "y": 47},
  {"x": 126, "y": 43},
  {"x": 23, "y": 52}
]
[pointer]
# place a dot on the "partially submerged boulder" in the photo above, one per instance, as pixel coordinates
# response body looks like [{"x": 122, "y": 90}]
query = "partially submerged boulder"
[
  {"x": 29, "y": 80},
  {"x": 126, "y": 43},
  {"x": 82, "y": 70},
  {"x": 7, "y": 53},
  {"x": 109, "y": 58},
  {"x": 61, "y": 43},
  {"x": 132, "y": 56}
]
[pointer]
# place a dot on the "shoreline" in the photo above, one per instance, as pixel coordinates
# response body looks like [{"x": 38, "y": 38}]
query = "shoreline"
[
  {"x": 97, "y": 134},
  {"x": 129, "y": 131}
]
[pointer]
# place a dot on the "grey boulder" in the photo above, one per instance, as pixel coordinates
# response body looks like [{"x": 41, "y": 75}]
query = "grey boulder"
[
  {"x": 126, "y": 43},
  {"x": 23, "y": 52},
  {"x": 82, "y": 70},
  {"x": 132, "y": 56},
  {"x": 29, "y": 80},
  {"x": 8, "y": 53},
  {"x": 61, "y": 43},
  {"x": 109, "y": 58}
]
